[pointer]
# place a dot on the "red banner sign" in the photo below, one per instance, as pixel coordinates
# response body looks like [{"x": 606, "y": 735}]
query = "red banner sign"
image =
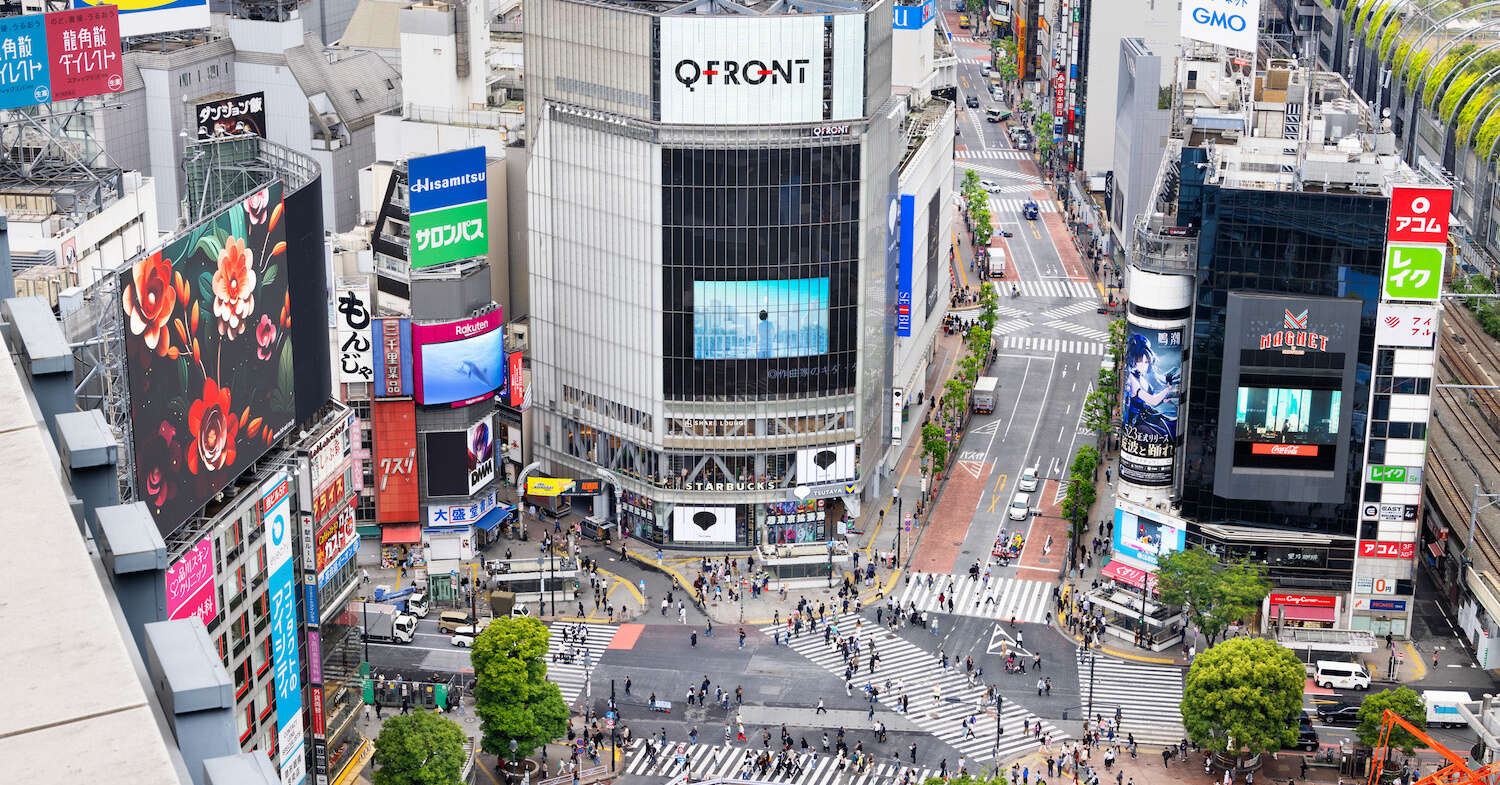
[
  {"x": 1059, "y": 94},
  {"x": 517, "y": 382},
  {"x": 1302, "y": 600},
  {"x": 1297, "y": 450},
  {"x": 394, "y": 424},
  {"x": 327, "y": 499},
  {"x": 335, "y": 536},
  {"x": 1419, "y": 215},
  {"x": 83, "y": 46},
  {"x": 1381, "y": 549}
]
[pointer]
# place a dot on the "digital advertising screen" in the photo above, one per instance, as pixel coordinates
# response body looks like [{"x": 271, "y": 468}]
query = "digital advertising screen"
[
  {"x": 447, "y": 463},
  {"x": 1145, "y": 536},
  {"x": 209, "y": 355},
  {"x": 1152, "y": 383},
  {"x": 742, "y": 320},
  {"x": 459, "y": 363},
  {"x": 1280, "y": 426}
]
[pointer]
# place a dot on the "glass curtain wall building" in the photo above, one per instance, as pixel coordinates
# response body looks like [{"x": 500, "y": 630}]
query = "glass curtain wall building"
[{"x": 710, "y": 262}]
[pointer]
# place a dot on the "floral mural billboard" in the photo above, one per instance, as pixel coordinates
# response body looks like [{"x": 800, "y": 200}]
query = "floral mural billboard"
[{"x": 209, "y": 355}]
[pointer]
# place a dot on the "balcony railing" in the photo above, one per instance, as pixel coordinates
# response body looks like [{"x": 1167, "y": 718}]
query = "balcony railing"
[{"x": 1160, "y": 251}]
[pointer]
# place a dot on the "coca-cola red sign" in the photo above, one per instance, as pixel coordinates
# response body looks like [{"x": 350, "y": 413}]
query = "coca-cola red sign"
[
  {"x": 1303, "y": 600},
  {"x": 1299, "y": 450}
]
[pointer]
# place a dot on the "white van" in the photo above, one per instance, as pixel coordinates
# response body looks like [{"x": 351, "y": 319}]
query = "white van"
[
  {"x": 997, "y": 260},
  {"x": 1341, "y": 675}
]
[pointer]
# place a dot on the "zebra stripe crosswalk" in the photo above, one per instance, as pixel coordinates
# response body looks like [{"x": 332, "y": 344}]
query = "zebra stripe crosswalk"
[
  {"x": 1069, "y": 310},
  {"x": 1027, "y": 343},
  {"x": 941, "y": 701},
  {"x": 1005, "y": 155},
  {"x": 570, "y": 677},
  {"x": 1077, "y": 290},
  {"x": 1008, "y": 327},
  {"x": 1004, "y": 207},
  {"x": 1091, "y": 333},
  {"x": 708, "y": 761},
  {"x": 1149, "y": 696},
  {"x": 999, "y": 598}
]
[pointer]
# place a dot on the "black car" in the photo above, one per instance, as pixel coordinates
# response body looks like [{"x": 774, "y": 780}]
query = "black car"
[
  {"x": 1339, "y": 714},
  {"x": 972, "y": 102}
]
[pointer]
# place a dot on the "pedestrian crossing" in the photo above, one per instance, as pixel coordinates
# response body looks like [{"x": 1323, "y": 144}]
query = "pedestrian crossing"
[
  {"x": 1069, "y": 310},
  {"x": 1002, "y": 154},
  {"x": 999, "y": 598},
  {"x": 586, "y": 649},
  {"x": 1149, "y": 696},
  {"x": 709, "y": 761},
  {"x": 1076, "y": 290},
  {"x": 1027, "y": 343},
  {"x": 1091, "y": 333},
  {"x": 941, "y": 701},
  {"x": 1004, "y": 207},
  {"x": 1010, "y": 326}
]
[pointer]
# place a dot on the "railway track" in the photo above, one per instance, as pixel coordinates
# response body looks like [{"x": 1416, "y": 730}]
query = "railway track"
[{"x": 1466, "y": 355}]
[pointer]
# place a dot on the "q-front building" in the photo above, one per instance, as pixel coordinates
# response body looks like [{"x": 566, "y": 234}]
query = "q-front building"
[{"x": 712, "y": 253}]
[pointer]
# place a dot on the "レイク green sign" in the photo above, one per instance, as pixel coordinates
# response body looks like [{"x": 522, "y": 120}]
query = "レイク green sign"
[
  {"x": 1413, "y": 272},
  {"x": 1380, "y": 473},
  {"x": 449, "y": 234}
]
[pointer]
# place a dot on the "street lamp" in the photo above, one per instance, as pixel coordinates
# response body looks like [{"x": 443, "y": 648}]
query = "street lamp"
[{"x": 900, "y": 522}]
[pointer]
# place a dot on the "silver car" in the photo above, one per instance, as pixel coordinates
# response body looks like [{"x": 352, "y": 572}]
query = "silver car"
[
  {"x": 1028, "y": 480},
  {"x": 1020, "y": 507}
]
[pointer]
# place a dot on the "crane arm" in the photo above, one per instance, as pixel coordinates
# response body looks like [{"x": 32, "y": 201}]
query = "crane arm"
[{"x": 1389, "y": 720}]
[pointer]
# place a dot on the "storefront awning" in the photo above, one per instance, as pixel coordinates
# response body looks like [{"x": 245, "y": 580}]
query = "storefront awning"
[
  {"x": 1131, "y": 576},
  {"x": 401, "y": 534},
  {"x": 1436, "y": 548},
  {"x": 1302, "y": 613},
  {"x": 495, "y": 517}
]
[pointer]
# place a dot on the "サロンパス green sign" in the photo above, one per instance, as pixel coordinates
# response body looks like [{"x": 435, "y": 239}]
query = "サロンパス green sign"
[{"x": 449, "y": 234}]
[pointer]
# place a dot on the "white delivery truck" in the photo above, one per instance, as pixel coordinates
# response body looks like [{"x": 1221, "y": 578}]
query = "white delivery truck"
[
  {"x": 983, "y": 397},
  {"x": 1442, "y": 708},
  {"x": 384, "y": 623}
]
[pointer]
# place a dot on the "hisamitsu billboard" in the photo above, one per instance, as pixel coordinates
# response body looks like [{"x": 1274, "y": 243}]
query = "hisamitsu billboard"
[{"x": 449, "y": 207}]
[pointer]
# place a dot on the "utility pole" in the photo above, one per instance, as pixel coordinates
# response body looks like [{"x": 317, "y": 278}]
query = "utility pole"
[
  {"x": 613, "y": 717},
  {"x": 900, "y": 522}
]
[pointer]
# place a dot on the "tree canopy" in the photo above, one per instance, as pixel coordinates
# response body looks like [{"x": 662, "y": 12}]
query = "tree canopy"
[
  {"x": 1402, "y": 700},
  {"x": 1246, "y": 692},
  {"x": 1216, "y": 595},
  {"x": 419, "y": 749},
  {"x": 512, "y": 696}
]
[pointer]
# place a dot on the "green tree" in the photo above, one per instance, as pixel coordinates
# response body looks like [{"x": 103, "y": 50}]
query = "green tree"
[
  {"x": 975, "y": 7},
  {"x": 978, "y": 339},
  {"x": 1098, "y": 408},
  {"x": 1402, "y": 700},
  {"x": 1085, "y": 462},
  {"x": 955, "y": 397},
  {"x": 968, "y": 779},
  {"x": 1008, "y": 71},
  {"x": 512, "y": 696},
  {"x": 1216, "y": 595},
  {"x": 989, "y": 306},
  {"x": 1026, "y": 105},
  {"x": 424, "y": 748},
  {"x": 1245, "y": 692},
  {"x": 1042, "y": 129},
  {"x": 970, "y": 184},
  {"x": 1117, "y": 341},
  {"x": 935, "y": 445}
]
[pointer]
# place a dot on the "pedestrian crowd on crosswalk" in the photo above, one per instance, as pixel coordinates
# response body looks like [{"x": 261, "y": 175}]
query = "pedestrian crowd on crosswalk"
[
  {"x": 982, "y": 595},
  {"x": 573, "y": 649}
]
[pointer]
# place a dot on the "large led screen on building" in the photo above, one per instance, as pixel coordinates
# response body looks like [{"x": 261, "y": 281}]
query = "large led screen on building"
[
  {"x": 209, "y": 356},
  {"x": 459, "y": 363},
  {"x": 1146, "y": 536},
  {"x": 741, "y": 320},
  {"x": 1286, "y": 397},
  {"x": 1152, "y": 384},
  {"x": 1280, "y": 426},
  {"x": 447, "y": 463}
]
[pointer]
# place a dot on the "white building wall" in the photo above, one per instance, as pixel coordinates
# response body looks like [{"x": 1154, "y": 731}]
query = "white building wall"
[
  {"x": 596, "y": 300},
  {"x": 1157, "y": 21}
]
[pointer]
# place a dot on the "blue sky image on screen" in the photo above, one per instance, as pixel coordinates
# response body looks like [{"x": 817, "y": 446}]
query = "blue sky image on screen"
[
  {"x": 742, "y": 320},
  {"x": 460, "y": 370}
]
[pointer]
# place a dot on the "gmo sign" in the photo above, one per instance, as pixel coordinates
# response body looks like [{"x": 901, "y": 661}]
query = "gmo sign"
[{"x": 1234, "y": 22}]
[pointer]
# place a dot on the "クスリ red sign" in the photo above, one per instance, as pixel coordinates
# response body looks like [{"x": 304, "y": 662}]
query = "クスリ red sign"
[
  {"x": 1302, "y": 600},
  {"x": 1419, "y": 215},
  {"x": 1381, "y": 549},
  {"x": 1297, "y": 450}
]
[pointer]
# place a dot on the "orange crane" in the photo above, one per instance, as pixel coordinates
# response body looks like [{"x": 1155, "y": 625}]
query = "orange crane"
[{"x": 1457, "y": 772}]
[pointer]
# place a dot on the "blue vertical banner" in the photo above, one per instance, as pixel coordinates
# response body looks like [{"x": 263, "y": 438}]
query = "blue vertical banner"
[
  {"x": 907, "y": 239},
  {"x": 25, "y": 76},
  {"x": 275, "y": 516}
]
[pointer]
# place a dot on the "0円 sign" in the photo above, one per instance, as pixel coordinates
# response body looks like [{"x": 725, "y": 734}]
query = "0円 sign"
[{"x": 58, "y": 56}]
